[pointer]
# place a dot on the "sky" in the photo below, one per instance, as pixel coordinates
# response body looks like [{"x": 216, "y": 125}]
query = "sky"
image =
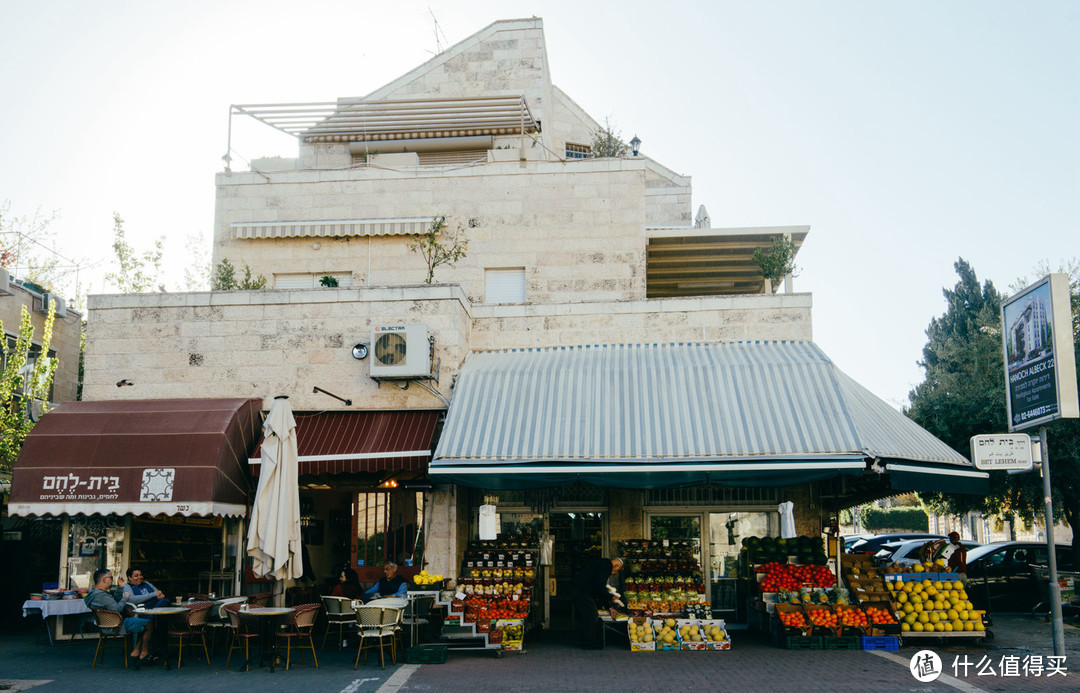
[{"x": 905, "y": 133}]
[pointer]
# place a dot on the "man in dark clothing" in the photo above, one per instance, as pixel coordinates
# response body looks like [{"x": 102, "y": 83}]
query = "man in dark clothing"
[
  {"x": 393, "y": 585},
  {"x": 591, "y": 593},
  {"x": 100, "y": 597}
]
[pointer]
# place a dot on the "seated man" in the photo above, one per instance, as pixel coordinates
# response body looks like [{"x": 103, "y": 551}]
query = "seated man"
[
  {"x": 139, "y": 591},
  {"x": 100, "y": 597},
  {"x": 392, "y": 585}
]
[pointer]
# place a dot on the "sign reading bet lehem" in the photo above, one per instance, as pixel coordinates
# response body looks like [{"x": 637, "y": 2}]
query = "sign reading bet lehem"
[
  {"x": 1006, "y": 452},
  {"x": 1040, "y": 365}
]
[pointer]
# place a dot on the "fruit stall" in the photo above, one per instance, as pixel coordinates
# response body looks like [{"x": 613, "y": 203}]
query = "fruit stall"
[{"x": 932, "y": 603}]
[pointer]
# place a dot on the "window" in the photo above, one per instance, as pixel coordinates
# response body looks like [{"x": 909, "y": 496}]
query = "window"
[
  {"x": 504, "y": 285},
  {"x": 311, "y": 281},
  {"x": 387, "y": 524},
  {"x": 577, "y": 151}
]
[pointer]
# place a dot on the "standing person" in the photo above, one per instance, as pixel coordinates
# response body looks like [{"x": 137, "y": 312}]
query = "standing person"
[
  {"x": 391, "y": 585},
  {"x": 590, "y": 593},
  {"x": 348, "y": 585},
  {"x": 955, "y": 555},
  {"x": 138, "y": 590},
  {"x": 101, "y": 598}
]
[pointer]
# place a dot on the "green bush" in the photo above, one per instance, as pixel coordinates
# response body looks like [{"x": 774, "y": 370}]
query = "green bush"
[{"x": 913, "y": 519}]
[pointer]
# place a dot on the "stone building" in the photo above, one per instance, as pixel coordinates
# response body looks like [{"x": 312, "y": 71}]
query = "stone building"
[{"x": 565, "y": 251}]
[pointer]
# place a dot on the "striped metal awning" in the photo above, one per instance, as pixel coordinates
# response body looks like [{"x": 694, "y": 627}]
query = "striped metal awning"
[
  {"x": 331, "y": 228},
  {"x": 342, "y": 442},
  {"x": 653, "y": 415}
]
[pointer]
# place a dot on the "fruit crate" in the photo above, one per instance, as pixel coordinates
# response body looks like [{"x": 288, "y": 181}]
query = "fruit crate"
[
  {"x": 426, "y": 654},
  {"x": 886, "y": 642},
  {"x": 801, "y": 642},
  {"x": 844, "y": 642}
]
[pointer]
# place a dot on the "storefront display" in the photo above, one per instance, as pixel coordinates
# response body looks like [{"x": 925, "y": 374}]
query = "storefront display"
[{"x": 663, "y": 577}]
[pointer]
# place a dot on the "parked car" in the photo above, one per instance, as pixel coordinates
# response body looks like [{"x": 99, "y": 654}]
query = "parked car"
[
  {"x": 906, "y": 552},
  {"x": 1001, "y": 576},
  {"x": 874, "y": 544},
  {"x": 850, "y": 539}
]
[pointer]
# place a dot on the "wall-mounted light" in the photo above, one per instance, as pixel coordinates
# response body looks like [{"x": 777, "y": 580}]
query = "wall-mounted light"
[
  {"x": 635, "y": 145},
  {"x": 360, "y": 351}
]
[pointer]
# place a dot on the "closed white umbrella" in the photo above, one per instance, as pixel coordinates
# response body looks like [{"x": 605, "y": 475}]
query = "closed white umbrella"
[{"x": 274, "y": 533}]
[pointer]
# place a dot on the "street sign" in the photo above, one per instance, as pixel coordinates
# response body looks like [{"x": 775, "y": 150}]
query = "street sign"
[{"x": 1002, "y": 452}]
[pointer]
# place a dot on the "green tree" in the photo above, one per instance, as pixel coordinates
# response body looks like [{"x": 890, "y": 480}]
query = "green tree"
[
  {"x": 963, "y": 394},
  {"x": 608, "y": 142},
  {"x": 135, "y": 274},
  {"x": 19, "y": 384},
  {"x": 438, "y": 248},
  {"x": 225, "y": 278},
  {"x": 777, "y": 261}
]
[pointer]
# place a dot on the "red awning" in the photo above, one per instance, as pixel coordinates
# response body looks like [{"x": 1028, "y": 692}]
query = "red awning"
[
  {"x": 171, "y": 456},
  {"x": 340, "y": 442}
]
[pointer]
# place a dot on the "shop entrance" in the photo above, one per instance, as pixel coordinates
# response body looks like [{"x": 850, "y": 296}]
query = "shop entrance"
[{"x": 577, "y": 537}]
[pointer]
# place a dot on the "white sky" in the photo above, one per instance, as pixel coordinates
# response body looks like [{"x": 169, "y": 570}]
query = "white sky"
[{"x": 906, "y": 133}]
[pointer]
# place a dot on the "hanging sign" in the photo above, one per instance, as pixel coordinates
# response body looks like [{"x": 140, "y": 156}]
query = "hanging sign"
[{"x": 1040, "y": 364}]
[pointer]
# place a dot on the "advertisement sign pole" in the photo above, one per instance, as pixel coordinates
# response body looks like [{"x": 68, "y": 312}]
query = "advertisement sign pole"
[{"x": 1058, "y": 624}]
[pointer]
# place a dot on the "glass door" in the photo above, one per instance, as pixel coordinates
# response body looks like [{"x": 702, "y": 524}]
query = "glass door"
[{"x": 728, "y": 589}]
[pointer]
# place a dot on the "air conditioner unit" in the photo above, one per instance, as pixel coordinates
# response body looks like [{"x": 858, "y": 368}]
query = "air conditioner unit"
[
  {"x": 5, "y": 283},
  {"x": 60, "y": 306},
  {"x": 400, "y": 351}
]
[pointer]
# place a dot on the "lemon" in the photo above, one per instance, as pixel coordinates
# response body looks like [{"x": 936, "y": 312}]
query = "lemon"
[
  {"x": 924, "y": 617},
  {"x": 918, "y": 627},
  {"x": 947, "y": 627},
  {"x": 939, "y": 627},
  {"x": 979, "y": 627},
  {"x": 958, "y": 625},
  {"x": 969, "y": 626},
  {"x": 918, "y": 568},
  {"x": 905, "y": 627}
]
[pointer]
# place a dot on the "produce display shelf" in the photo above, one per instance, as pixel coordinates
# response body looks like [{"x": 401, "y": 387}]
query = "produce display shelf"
[{"x": 954, "y": 634}]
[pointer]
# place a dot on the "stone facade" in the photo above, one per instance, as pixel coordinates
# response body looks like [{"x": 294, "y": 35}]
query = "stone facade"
[{"x": 66, "y": 336}]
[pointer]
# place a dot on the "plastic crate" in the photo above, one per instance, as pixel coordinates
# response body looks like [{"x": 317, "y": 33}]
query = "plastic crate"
[
  {"x": 883, "y": 642},
  {"x": 801, "y": 642},
  {"x": 426, "y": 654},
  {"x": 845, "y": 642}
]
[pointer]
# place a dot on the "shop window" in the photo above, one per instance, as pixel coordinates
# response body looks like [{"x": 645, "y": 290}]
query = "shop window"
[{"x": 388, "y": 528}]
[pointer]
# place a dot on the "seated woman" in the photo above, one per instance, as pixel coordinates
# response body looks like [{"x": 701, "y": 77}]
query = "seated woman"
[
  {"x": 348, "y": 585},
  {"x": 391, "y": 585},
  {"x": 140, "y": 592},
  {"x": 100, "y": 597}
]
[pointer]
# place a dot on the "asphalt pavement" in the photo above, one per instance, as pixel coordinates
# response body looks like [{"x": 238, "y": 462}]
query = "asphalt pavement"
[{"x": 552, "y": 663}]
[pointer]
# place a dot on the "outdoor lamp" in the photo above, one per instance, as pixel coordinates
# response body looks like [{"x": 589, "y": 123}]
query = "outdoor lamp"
[{"x": 635, "y": 145}]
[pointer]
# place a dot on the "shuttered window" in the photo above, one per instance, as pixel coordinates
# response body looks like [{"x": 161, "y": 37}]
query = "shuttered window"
[{"x": 504, "y": 285}]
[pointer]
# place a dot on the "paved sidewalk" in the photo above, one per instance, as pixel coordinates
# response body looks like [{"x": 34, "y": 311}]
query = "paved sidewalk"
[{"x": 550, "y": 665}]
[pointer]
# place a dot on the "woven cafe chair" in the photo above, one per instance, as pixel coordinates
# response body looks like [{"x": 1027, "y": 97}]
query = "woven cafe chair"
[
  {"x": 377, "y": 624},
  {"x": 339, "y": 613},
  {"x": 105, "y": 620},
  {"x": 260, "y": 599},
  {"x": 218, "y": 620},
  {"x": 298, "y": 627},
  {"x": 191, "y": 625},
  {"x": 240, "y": 631}
]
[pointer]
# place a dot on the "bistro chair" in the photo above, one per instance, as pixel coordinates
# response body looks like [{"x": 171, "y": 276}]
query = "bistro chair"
[
  {"x": 260, "y": 599},
  {"x": 191, "y": 625},
  {"x": 107, "y": 620},
  {"x": 299, "y": 626},
  {"x": 376, "y": 625},
  {"x": 240, "y": 631},
  {"x": 339, "y": 612},
  {"x": 218, "y": 620}
]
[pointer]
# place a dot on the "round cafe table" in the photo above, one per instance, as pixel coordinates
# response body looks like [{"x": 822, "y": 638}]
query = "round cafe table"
[
  {"x": 267, "y": 618},
  {"x": 160, "y": 643}
]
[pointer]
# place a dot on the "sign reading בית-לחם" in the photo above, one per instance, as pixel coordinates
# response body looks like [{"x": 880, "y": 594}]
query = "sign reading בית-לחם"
[
  {"x": 1040, "y": 365},
  {"x": 1003, "y": 452}
]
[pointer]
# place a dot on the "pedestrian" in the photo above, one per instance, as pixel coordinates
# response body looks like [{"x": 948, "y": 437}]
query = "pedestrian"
[
  {"x": 955, "y": 555},
  {"x": 591, "y": 593}
]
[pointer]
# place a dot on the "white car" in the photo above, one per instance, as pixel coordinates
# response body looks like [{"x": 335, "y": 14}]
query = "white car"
[{"x": 906, "y": 552}]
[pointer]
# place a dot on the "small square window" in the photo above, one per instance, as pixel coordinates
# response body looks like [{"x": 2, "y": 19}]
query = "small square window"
[
  {"x": 577, "y": 151},
  {"x": 504, "y": 285}
]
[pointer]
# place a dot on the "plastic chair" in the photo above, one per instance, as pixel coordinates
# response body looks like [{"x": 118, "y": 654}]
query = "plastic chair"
[
  {"x": 107, "y": 620},
  {"x": 240, "y": 632},
  {"x": 376, "y": 624},
  {"x": 415, "y": 615},
  {"x": 339, "y": 612},
  {"x": 191, "y": 625},
  {"x": 299, "y": 626}
]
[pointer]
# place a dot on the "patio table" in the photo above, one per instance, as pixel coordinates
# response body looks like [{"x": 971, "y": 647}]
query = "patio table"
[
  {"x": 267, "y": 617},
  {"x": 54, "y": 608}
]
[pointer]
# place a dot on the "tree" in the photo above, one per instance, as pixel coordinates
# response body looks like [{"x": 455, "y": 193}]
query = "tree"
[
  {"x": 26, "y": 248},
  {"x": 20, "y": 385},
  {"x": 135, "y": 274},
  {"x": 963, "y": 394},
  {"x": 438, "y": 249},
  {"x": 778, "y": 261},
  {"x": 608, "y": 142},
  {"x": 225, "y": 278}
]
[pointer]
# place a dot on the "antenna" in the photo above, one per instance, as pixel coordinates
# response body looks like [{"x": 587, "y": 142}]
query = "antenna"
[{"x": 437, "y": 30}]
